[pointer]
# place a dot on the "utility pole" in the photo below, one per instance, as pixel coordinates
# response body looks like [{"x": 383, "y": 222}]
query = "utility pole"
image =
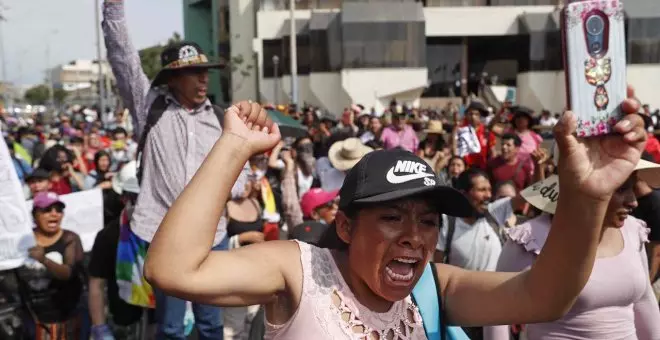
[
  {"x": 99, "y": 59},
  {"x": 2, "y": 44},
  {"x": 49, "y": 75},
  {"x": 294, "y": 54}
]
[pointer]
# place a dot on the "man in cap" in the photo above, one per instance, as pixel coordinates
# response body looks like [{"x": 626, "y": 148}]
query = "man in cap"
[
  {"x": 38, "y": 181},
  {"x": 174, "y": 148}
]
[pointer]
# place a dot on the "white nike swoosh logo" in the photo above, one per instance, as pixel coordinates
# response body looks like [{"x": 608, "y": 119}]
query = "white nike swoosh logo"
[{"x": 398, "y": 179}]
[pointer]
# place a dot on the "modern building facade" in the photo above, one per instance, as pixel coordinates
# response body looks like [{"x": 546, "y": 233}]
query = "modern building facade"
[
  {"x": 80, "y": 79},
  {"x": 371, "y": 52}
]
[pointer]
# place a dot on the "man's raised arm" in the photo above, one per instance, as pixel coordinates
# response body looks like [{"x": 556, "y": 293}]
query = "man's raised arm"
[{"x": 124, "y": 59}]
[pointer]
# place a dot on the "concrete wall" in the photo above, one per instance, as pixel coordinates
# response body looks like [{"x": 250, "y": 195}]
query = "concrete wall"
[
  {"x": 242, "y": 26},
  {"x": 547, "y": 90},
  {"x": 476, "y": 21},
  {"x": 377, "y": 87}
]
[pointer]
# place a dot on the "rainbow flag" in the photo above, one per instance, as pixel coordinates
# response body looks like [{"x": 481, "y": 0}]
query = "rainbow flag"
[{"x": 131, "y": 253}]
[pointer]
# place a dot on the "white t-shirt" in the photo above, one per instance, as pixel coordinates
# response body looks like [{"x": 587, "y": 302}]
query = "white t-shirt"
[{"x": 476, "y": 246}]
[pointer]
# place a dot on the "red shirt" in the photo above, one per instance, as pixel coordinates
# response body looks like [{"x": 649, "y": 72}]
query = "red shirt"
[
  {"x": 653, "y": 147},
  {"x": 520, "y": 172},
  {"x": 61, "y": 186},
  {"x": 480, "y": 159}
]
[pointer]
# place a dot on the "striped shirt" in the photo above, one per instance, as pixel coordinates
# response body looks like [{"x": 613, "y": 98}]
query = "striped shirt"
[{"x": 175, "y": 147}]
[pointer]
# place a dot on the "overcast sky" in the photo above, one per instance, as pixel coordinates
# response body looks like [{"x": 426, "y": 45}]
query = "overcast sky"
[{"x": 68, "y": 26}]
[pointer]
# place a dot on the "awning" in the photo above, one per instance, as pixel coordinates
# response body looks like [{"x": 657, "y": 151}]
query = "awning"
[
  {"x": 538, "y": 22},
  {"x": 320, "y": 21},
  {"x": 302, "y": 27},
  {"x": 358, "y": 12},
  {"x": 642, "y": 9}
]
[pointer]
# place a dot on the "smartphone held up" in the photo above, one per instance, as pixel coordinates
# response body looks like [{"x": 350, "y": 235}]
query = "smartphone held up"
[{"x": 594, "y": 63}]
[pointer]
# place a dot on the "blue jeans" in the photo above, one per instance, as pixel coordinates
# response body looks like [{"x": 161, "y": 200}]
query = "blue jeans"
[{"x": 171, "y": 310}]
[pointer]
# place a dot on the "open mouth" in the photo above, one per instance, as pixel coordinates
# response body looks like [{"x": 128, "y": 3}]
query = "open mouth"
[
  {"x": 52, "y": 224},
  {"x": 401, "y": 270}
]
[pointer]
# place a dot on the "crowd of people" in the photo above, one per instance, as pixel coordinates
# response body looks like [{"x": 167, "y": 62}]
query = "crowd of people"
[{"x": 362, "y": 193}]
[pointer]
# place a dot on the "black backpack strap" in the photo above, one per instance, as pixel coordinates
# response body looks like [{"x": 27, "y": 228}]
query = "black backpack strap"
[
  {"x": 156, "y": 111},
  {"x": 495, "y": 225},
  {"x": 451, "y": 227}
]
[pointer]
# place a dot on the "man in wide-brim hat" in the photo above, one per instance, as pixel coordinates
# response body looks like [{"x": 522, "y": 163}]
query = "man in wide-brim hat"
[
  {"x": 177, "y": 125},
  {"x": 183, "y": 58}
]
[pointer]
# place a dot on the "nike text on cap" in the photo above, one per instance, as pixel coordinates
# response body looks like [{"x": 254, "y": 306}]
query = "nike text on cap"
[{"x": 388, "y": 175}]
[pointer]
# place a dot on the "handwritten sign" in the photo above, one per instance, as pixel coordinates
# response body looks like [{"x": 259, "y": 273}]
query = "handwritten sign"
[
  {"x": 16, "y": 235},
  {"x": 83, "y": 215},
  {"x": 543, "y": 195},
  {"x": 466, "y": 141}
]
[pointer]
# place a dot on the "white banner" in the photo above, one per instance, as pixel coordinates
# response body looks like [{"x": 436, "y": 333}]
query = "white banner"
[
  {"x": 83, "y": 215},
  {"x": 16, "y": 235}
]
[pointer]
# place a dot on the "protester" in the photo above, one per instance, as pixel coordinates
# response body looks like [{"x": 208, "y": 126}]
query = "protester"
[
  {"x": 51, "y": 284},
  {"x": 174, "y": 147},
  {"x": 510, "y": 164},
  {"x": 101, "y": 176},
  {"x": 64, "y": 179},
  {"x": 624, "y": 302},
  {"x": 648, "y": 210},
  {"x": 400, "y": 134},
  {"x": 38, "y": 181},
  {"x": 23, "y": 168},
  {"x": 474, "y": 242},
  {"x": 126, "y": 317},
  {"x": 388, "y": 232},
  {"x": 432, "y": 150},
  {"x": 480, "y": 142}
]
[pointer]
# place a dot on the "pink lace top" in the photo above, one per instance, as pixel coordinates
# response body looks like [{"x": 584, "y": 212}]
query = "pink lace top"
[
  {"x": 617, "y": 302},
  {"x": 329, "y": 311}
]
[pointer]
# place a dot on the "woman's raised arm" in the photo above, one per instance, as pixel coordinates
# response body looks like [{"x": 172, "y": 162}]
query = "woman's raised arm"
[
  {"x": 590, "y": 170},
  {"x": 180, "y": 260}
]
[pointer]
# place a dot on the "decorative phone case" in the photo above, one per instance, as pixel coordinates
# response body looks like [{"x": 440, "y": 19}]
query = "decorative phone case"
[{"x": 595, "y": 64}]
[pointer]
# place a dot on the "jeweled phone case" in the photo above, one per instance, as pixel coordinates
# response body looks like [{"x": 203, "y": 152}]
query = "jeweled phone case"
[{"x": 595, "y": 82}]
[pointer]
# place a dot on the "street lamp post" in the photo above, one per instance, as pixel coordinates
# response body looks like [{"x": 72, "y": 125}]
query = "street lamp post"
[
  {"x": 293, "y": 53},
  {"x": 276, "y": 88}
]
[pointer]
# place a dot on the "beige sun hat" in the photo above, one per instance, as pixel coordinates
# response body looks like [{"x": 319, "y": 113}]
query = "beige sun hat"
[
  {"x": 544, "y": 195},
  {"x": 435, "y": 127},
  {"x": 345, "y": 154}
]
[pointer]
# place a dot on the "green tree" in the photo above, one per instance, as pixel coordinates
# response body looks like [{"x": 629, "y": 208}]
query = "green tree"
[
  {"x": 59, "y": 95},
  {"x": 37, "y": 95},
  {"x": 150, "y": 56}
]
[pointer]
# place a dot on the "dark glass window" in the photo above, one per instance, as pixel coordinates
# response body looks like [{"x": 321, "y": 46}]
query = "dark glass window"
[
  {"x": 303, "y": 54},
  {"x": 270, "y": 48},
  {"x": 443, "y": 57},
  {"x": 545, "y": 51},
  {"x": 383, "y": 44},
  {"x": 320, "y": 54},
  {"x": 643, "y": 41}
]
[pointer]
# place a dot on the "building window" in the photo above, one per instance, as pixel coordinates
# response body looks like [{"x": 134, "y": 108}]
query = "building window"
[
  {"x": 443, "y": 56},
  {"x": 320, "y": 54},
  {"x": 643, "y": 41},
  {"x": 280, "y": 48},
  {"x": 383, "y": 44},
  {"x": 271, "y": 48}
]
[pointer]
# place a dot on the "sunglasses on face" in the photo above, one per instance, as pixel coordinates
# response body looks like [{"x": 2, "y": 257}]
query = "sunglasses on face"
[
  {"x": 330, "y": 204},
  {"x": 58, "y": 208}
]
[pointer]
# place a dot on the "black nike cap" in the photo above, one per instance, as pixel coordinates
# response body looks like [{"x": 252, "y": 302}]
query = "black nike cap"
[{"x": 388, "y": 175}]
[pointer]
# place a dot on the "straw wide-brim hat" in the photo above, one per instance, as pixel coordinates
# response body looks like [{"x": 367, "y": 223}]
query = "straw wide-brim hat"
[
  {"x": 544, "y": 195},
  {"x": 434, "y": 127},
  {"x": 345, "y": 154}
]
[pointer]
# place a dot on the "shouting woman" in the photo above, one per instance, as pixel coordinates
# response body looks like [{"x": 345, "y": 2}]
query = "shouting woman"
[{"x": 386, "y": 230}]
